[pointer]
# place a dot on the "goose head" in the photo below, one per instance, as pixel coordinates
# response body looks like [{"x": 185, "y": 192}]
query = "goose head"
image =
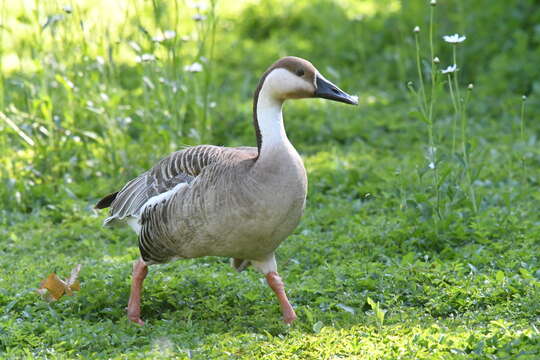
[
  {"x": 296, "y": 78},
  {"x": 288, "y": 78}
]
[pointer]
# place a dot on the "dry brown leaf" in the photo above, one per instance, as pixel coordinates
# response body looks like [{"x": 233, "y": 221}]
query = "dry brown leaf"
[{"x": 53, "y": 288}]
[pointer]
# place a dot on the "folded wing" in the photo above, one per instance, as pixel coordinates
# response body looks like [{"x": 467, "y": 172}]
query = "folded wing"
[{"x": 180, "y": 167}]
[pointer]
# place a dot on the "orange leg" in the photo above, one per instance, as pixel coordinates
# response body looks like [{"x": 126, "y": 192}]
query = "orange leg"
[
  {"x": 140, "y": 269},
  {"x": 275, "y": 282}
]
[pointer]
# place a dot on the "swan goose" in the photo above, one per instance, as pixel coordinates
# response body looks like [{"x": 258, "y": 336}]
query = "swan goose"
[{"x": 216, "y": 201}]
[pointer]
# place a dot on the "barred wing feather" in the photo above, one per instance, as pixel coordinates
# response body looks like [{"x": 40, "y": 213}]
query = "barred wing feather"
[{"x": 180, "y": 167}]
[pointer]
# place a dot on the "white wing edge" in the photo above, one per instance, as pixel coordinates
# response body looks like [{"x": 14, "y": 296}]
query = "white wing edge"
[{"x": 134, "y": 220}]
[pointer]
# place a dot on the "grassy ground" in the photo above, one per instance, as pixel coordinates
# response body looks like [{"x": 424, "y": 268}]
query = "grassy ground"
[{"x": 404, "y": 251}]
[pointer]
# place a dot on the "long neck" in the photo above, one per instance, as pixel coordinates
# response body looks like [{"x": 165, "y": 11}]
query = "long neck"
[{"x": 268, "y": 121}]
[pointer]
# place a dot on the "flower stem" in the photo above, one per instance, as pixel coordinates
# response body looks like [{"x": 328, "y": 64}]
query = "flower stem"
[
  {"x": 522, "y": 136},
  {"x": 432, "y": 149},
  {"x": 456, "y": 83},
  {"x": 423, "y": 102},
  {"x": 466, "y": 159},
  {"x": 456, "y": 111}
]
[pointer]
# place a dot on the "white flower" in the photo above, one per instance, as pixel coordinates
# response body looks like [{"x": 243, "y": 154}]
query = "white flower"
[
  {"x": 145, "y": 58},
  {"x": 416, "y": 29},
  {"x": 167, "y": 35},
  {"x": 450, "y": 69},
  {"x": 470, "y": 86},
  {"x": 454, "y": 39},
  {"x": 195, "y": 67},
  {"x": 436, "y": 60},
  {"x": 524, "y": 97},
  {"x": 431, "y": 165},
  {"x": 433, "y": 2}
]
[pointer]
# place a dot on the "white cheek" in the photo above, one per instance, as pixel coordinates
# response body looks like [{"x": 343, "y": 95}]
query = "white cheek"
[{"x": 282, "y": 82}]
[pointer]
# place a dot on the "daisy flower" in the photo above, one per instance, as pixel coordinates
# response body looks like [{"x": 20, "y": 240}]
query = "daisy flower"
[
  {"x": 450, "y": 69},
  {"x": 195, "y": 67},
  {"x": 145, "y": 58},
  {"x": 167, "y": 35},
  {"x": 454, "y": 39}
]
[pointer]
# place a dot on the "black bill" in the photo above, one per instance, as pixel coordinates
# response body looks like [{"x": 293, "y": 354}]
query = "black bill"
[{"x": 327, "y": 90}]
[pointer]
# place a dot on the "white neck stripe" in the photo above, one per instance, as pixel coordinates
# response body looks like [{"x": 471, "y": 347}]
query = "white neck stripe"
[{"x": 269, "y": 112}]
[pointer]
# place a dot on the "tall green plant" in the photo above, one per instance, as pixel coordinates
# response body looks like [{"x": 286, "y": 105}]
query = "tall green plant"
[
  {"x": 460, "y": 109},
  {"x": 426, "y": 101},
  {"x": 426, "y": 106}
]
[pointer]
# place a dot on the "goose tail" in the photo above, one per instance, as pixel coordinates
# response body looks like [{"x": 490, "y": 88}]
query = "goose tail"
[{"x": 106, "y": 201}]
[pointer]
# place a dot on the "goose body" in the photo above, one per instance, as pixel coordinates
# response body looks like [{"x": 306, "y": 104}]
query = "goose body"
[
  {"x": 210, "y": 200},
  {"x": 235, "y": 202}
]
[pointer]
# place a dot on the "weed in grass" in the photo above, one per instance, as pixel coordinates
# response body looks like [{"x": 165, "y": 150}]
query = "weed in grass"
[{"x": 378, "y": 313}]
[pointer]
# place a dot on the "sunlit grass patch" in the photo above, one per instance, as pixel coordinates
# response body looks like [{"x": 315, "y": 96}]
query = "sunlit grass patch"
[{"x": 93, "y": 93}]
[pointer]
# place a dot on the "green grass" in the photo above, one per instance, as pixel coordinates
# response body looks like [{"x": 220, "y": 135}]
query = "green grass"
[{"x": 388, "y": 262}]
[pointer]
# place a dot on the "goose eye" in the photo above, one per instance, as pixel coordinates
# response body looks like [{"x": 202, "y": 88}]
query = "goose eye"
[{"x": 300, "y": 72}]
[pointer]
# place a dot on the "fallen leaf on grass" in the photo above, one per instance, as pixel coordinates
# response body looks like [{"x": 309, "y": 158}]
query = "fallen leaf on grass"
[{"x": 53, "y": 288}]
